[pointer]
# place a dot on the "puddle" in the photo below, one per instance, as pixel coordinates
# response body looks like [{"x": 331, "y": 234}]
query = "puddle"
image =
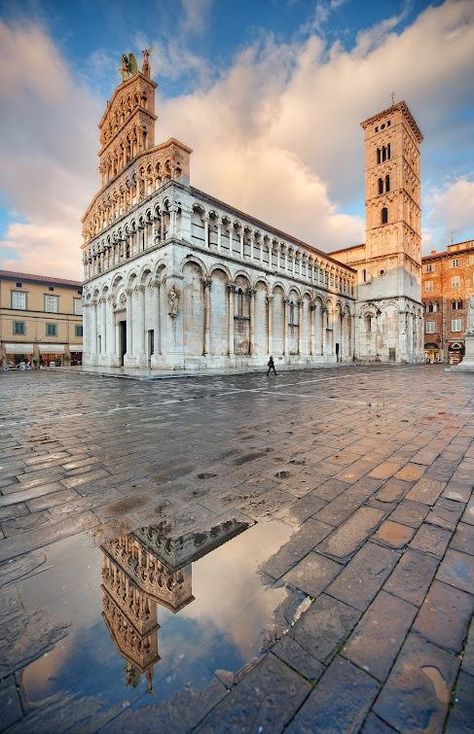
[{"x": 144, "y": 617}]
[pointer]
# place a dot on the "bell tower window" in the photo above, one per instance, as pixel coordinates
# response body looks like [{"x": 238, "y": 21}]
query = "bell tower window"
[
  {"x": 384, "y": 215},
  {"x": 380, "y": 185},
  {"x": 387, "y": 183}
]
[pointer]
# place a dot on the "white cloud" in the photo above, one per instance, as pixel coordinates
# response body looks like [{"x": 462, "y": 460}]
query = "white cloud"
[
  {"x": 451, "y": 211},
  {"x": 276, "y": 135},
  {"x": 195, "y": 16},
  {"x": 48, "y": 143}
]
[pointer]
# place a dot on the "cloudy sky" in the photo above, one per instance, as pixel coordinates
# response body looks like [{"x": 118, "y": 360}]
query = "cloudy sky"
[{"x": 269, "y": 94}]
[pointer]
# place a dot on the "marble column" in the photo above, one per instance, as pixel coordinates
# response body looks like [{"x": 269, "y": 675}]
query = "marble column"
[
  {"x": 129, "y": 326},
  {"x": 111, "y": 338},
  {"x": 300, "y": 312},
  {"x": 252, "y": 294},
  {"x": 141, "y": 326},
  {"x": 219, "y": 237},
  {"x": 285, "y": 325},
  {"x": 156, "y": 318},
  {"x": 231, "y": 291},
  {"x": 104, "y": 327},
  {"x": 206, "y": 284},
  {"x": 312, "y": 311},
  {"x": 94, "y": 331},
  {"x": 270, "y": 324}
]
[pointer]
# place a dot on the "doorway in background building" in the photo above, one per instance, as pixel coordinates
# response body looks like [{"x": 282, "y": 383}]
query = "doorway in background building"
[
  {"x": 122, "y": 341},
  {"x": 151, "y": 345}
]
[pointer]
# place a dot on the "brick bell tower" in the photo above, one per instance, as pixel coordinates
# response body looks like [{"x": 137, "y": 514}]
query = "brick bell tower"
[{"x": 390, "y": 276}]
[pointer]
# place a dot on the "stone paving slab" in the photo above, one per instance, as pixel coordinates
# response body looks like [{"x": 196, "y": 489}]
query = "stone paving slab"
[{"x": 370, "y": 470}]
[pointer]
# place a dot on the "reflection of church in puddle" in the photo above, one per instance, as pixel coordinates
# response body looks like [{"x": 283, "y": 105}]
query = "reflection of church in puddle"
[{"x": 145, "y": 569}]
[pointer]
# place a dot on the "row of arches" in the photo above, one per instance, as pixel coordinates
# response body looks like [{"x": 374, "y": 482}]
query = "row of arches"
[{"x": 220, "y": 316}]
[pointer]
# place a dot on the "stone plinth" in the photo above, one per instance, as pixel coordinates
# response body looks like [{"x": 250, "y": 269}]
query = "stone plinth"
[{"x": 467, "y": 364}]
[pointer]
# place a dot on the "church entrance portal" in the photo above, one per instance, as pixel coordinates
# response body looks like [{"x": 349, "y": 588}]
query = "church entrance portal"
[{"x": 122, "y": 341}]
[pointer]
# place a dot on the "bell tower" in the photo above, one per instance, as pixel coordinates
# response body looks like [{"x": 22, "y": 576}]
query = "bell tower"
[
  {"x": 127, "y": 127},
  {"x": 392, "y": 200}
]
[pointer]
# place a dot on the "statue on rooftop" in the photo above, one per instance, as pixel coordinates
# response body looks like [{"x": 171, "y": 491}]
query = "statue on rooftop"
[
  {"x": 146, "y": 63},
  {"x": 128, "y": 66}
]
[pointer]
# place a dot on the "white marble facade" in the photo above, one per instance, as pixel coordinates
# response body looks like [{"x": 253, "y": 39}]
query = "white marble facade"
[{"x": 184, "y": 281}]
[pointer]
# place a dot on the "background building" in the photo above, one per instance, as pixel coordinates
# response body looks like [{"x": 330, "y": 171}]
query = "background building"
[
  {"x": 40, "y": 319},
  {"x": 447, "y": 284},
  {"x": 177, "y": 279},
  {"x": 389, "y": 323}
]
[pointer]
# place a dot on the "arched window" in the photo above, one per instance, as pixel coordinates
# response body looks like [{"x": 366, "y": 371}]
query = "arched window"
[
  {"x": 384, "y": 215},
  {"x": 292, "y": 313},
  {"x": 240, "y": 302},
  {"x": 364, "y": 275},
  {"x": 379, "y": 156},
  {"x": 384, "y": 153},
  {"x": 380, "y": 185},
  {"x": 387, "y": 183},
  {"x": 389, "y": 152},
  {"x": 368, "y": 323}
]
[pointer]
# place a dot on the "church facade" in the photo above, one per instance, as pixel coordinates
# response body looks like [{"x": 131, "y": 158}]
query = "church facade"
[{"x": 176, "y": 279}]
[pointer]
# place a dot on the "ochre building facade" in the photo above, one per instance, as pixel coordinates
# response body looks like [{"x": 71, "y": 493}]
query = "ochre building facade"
[
  {"x": 447, "y": 285},
  {"x": 40, "y": 320},
  {"x": 177, "y": 279}
]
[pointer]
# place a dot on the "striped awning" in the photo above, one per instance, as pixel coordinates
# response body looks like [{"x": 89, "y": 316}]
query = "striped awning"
[
  {"x": 19, "y": 348},
  {"x": 51, "y": 348}
]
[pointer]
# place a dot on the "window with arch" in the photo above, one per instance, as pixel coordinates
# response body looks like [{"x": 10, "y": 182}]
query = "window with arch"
[
  {"x": 387, "y": 183},
  {"x": 368, "y": 323},
  {"x": 384, "y": 215},
  {"x": 379, "y": 155},
  {"x": 292, "y": 313},
  {"x": 380, "y": 185},
  {"x": 240, "y": 302},
  {"x": 364, "y": 276}
]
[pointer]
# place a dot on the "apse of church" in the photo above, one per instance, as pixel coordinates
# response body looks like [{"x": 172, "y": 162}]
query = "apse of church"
[{"x": 176, "y": 279}]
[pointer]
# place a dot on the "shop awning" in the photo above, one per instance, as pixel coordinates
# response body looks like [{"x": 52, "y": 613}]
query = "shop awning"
[
  {"x": 51, "y": 348},
  {"x": 76, "y": 348},
  {"x": 19, "y": 348}
]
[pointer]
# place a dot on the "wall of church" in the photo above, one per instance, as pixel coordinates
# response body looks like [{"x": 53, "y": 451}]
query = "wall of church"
[{"x": 179, "y": 309}]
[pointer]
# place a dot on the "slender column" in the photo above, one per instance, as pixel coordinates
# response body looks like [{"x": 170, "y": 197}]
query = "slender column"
[
  {"x": 269, "y": 253},
  {"x": 293, "y": 265},
  {"x": 219, "y": 237},
  {"x": 312, "y": 310},
  {"x": 231, "y": 291},
  {"x": 252, "y": 294},
  {"x": 206, "y": 232},
  {"x": 111, "y": 324},
  {"x": 141, "y": 320},
  {"x": 87, "y": 335},
  {"x": 278, "y": 257},
  {"x": 129, "y": 321},
  {"x": 173, "y": 220},
  {"x": 324, "y": 324},
  {"x": 270, "y": 324},
  {"x": 94, "y": 329},
  {"x": 103, "y": 327},
  {"x": 285, "y": 325},
  {"x": 242, "y": 243},
  {"x": 252, "y": 239},
  {"x": 206, "y": 283},
  {"x": 300, "y": 313},
  {"x": 156, "y": 318}
]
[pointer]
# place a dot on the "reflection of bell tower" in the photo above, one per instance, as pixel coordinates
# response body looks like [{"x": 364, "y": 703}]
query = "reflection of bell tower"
[
  {"x": 144, "y": 569},
  {"x": 134, "y": 581}
]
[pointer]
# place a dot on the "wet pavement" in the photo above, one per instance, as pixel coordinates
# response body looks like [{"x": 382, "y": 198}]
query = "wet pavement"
[{"x": 237, "y": 554}]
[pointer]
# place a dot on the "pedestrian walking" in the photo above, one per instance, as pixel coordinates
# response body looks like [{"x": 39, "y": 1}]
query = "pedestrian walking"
[{"x": 271, "y": 366}]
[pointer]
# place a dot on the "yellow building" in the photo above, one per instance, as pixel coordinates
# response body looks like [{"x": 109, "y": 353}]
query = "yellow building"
[{"x": 40, "y": 320}]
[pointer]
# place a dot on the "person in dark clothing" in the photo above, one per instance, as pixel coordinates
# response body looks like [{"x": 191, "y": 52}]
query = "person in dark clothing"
[{"x": 271, "y": 366}]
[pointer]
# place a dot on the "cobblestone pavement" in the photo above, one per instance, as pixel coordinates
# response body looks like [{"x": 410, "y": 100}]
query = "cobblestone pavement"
[{"x": 366, "y": 474}]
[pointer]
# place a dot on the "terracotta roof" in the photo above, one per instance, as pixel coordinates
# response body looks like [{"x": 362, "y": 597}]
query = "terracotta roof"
[{"x": 39, "y": 278}]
